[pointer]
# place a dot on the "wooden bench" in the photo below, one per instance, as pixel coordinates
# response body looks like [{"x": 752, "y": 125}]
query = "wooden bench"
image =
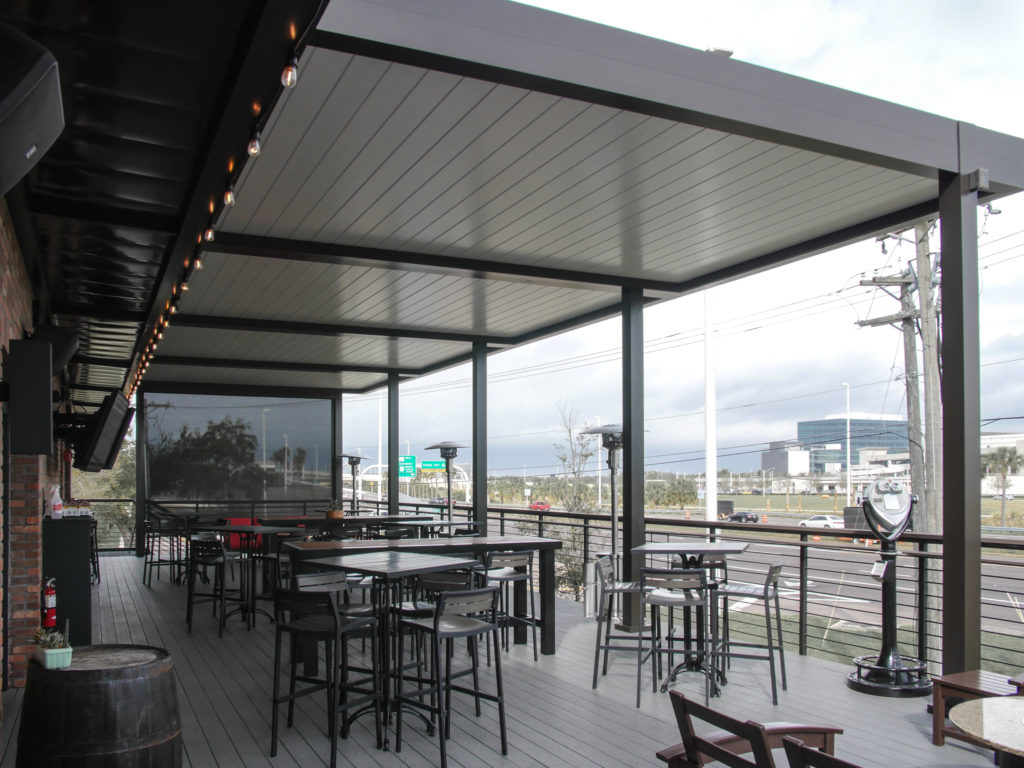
[{"x": 962, "y": 686}]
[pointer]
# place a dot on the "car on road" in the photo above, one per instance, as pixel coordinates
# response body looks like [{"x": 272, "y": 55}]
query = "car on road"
[
  {"x": 1007, "y": 496},
  {"x": 743, "y": 517},
  {"x": 822, "y": 521},
  {"x": 539, "y": 506}
]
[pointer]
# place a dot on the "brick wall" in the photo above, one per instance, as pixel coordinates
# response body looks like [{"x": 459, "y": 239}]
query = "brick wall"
[{"x": 29, "y": 475}]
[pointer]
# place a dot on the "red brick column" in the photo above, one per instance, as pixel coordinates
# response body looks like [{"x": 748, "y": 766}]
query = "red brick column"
[{"x": 28, "y": 474}]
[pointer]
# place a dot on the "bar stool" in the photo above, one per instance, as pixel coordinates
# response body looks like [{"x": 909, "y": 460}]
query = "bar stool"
[
  {"x": 672, "y": 588},
  {"x": 767, "y": 593},
  {"x": 163, "y": 532},
  {"x": 313, "y": 617},
  {"x": 608, "y": 591},
  {"x": 469, "y": 614},
  {"x": 503, "y": 570},
  {"x": 206, "y": 551}
]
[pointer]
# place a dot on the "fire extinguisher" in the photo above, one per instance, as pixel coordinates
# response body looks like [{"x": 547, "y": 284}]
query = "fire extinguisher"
[{"x": 50, "y": 604}]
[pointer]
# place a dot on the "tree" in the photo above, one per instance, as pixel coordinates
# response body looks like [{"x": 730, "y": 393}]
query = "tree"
[
  {"x": 1004, "y": 462},
  {"x": 218, "y": 462},
  {"x": 573, "y": 453}
]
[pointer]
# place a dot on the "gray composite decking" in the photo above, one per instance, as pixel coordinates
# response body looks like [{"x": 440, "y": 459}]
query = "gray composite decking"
[{"x": 554, "y": 718}]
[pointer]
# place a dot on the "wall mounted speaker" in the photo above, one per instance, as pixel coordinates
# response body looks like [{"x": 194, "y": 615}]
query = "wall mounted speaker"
[
  {"x": 30, "y": 410},
  {"x": 31, "y": 114}
]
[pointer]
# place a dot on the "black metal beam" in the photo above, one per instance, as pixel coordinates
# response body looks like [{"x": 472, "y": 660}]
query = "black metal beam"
[
  {"x": 337, "y": 464},
  {"x": 278, "y": 365},
  {"x": 241, "y": 390},
  {"x": 632, "y": 432},
  {"x": 105, "y": 215},
  {"x": 326, "y": 329},
  {"x": 863, "y": 230},
  {"x": 99, "y": 313},
  {"x": 393, "y": 424},
  {"x": 111, "y": 362},
  {"x": 480, "y": 437},
  {"x": 961, "y": 417},
  {"x": 331, "y": 253},
  {"x": 141, "y": 474},
  {"x": 266, "y": 44}
]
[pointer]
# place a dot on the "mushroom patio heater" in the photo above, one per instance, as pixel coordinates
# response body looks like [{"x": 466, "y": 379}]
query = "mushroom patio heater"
[
  {"x": 887, "y": 507},
  {"x": 611, "y": 440},
  {"x": 354, "y": 460},
  {"x": 449, "y": 451}
]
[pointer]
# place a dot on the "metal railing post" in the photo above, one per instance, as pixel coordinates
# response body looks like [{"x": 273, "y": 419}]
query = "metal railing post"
[
  {"x": 922, "y": 602},
  {"x": 802, "y": 628},
  {"x": 586, "y": 542}
]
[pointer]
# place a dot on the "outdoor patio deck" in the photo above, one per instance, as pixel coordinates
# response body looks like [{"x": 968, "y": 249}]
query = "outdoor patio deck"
[{"x": 554, "y": 717}]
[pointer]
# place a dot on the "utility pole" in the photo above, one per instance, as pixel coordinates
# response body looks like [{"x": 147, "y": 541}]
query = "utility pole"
[
  {"x": 906, "y": 317},
  {"x": 932, "y": 391},
  {"x": 925, "y": 444}
]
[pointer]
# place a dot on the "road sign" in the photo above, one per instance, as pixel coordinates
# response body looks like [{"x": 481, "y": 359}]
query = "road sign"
[
  {"x": 407, "y": 466},
  {"x": 436, "y": 465}
]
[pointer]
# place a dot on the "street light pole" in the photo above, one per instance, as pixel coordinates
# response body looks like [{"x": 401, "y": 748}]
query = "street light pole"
[
  {"x": 848, "y": 467},
  {"x": 285, "y": 462},
  {"x": 265, "y": 410}
]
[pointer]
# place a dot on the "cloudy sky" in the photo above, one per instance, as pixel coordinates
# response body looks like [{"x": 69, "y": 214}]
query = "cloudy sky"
[{"x": 786, "y": 340}]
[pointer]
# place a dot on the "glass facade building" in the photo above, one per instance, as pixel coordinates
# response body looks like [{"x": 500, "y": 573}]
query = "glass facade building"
[{"x": 826, "y": 439}]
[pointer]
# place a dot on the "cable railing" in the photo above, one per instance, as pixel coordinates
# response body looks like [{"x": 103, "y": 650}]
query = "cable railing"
[{"x": 830, "y": 602}]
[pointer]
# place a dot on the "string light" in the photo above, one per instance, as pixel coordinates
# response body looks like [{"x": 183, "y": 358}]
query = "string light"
[
  {"x": 229, "y": 196},
  {"x": 208, "y": 235},
  {"x": 290, "y": 75},
  {"x": 199, "y": 263},
  {"x": 254, "y": 146}
]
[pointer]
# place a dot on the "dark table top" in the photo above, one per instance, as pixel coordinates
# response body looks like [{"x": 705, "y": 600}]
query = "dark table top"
[
  {"x": 244, "y": 528},
  {"x": 395, "y": 565},
  {"x": 441, "y": 546},
  {"x": 315, "y": 521}
]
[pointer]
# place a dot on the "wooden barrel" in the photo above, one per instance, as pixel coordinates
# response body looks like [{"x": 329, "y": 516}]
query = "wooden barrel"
[{"x": 116, "y": 706}]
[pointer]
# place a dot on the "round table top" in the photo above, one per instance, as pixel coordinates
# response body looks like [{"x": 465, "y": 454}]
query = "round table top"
[{"x": 997, "y": 720}]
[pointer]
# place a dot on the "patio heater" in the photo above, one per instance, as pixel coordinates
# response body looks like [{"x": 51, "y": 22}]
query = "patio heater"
[
  {"x": 449, "y": 451},
  {"x": 887, "y": 507},
  {"x": 611, "y": 440},
  {"x": 354, "y": 459}
]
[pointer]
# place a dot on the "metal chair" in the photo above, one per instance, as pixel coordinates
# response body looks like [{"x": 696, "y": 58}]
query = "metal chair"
[
  {"x": 672, "y": 588},
  {"x": 802, "y": 756},
  {"x": 206, "y": 551},
  {"x": 608, "y": 592},
  {"x": 768, "y": 593},
  {"x": 312, "y": 618},
  {"x": 503, "y": 570},
  {"x": 469, "y": 614},
  {"x": 735, "y": 738},
  {"x": 164, "y": 537}
]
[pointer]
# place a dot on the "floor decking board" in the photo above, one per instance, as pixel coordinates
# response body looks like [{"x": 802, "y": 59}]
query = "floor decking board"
[{"x": 554, "y": 717}]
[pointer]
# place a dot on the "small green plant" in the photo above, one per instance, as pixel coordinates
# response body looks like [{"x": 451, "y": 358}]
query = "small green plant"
[{"x": 51, "y": 638}]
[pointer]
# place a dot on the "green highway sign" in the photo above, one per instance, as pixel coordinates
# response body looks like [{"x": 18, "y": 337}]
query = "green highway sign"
[
  {"x": 436, "y": 465},
  {"x": 407, "y": 466}
]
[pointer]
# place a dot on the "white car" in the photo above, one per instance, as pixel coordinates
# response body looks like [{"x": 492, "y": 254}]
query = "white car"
[{"x": 822, "y": 521}]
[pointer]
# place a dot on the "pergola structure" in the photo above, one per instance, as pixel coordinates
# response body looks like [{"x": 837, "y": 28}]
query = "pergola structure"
[{"x": 449, "y": 178}]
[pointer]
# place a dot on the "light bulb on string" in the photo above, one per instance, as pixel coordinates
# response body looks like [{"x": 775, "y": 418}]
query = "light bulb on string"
[
  {"x": 290, "y": 74},
  {"x": 229, "y": 196},
  {"x": 254, "y": 146}
]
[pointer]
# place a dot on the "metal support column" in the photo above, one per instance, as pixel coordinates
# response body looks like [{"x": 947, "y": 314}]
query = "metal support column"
[
  {"x": 337, "y": 464},
  {"x": 633, "y": 441},
  {"x": 141, "y": 472},
  {"x": 961, "y": 412},
  {"x": 393, "y": 444},
  {"x": 480, "y": 435}
]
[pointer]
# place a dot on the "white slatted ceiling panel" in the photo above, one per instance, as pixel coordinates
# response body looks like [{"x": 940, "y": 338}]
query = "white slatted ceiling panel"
[
  {"x": 262, "y": 377},
  {"x": 385, "y": 155},
  {"x": 272, "y": 289},
  {"x": 297, "y": 348}
]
